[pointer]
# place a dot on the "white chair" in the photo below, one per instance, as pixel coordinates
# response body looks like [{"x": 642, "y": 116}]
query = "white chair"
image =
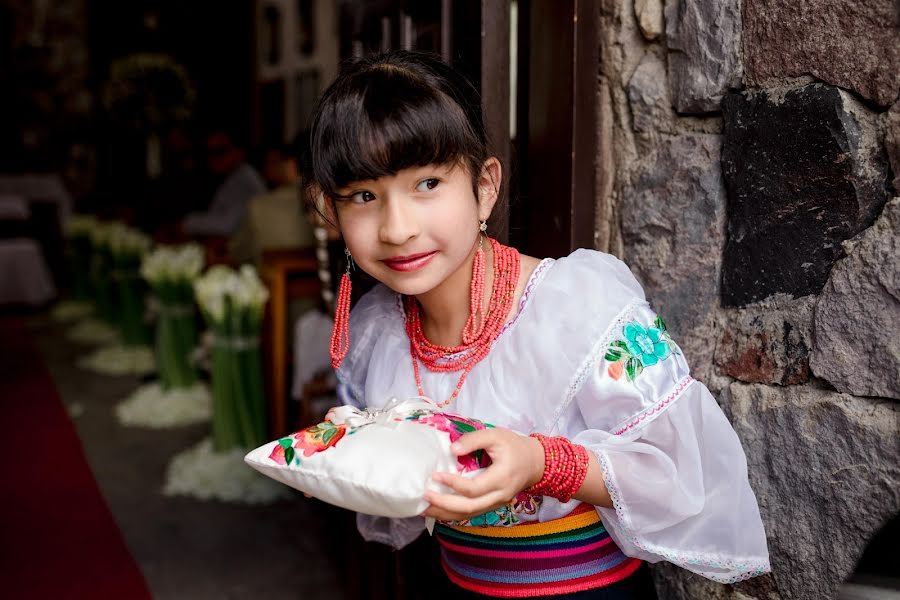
[{"x": 24, "y": 276}]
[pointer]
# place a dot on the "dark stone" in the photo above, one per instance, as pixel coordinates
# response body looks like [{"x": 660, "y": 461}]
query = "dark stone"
[
  {"x": 847, "y": 43},
  {"x": 804, "y": 170}
]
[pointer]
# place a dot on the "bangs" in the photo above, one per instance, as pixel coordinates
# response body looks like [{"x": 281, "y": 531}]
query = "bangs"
[{"x": 383, "y": 120}]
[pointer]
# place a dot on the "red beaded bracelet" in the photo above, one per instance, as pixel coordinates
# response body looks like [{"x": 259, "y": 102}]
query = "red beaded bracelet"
[{"x": 565, "y": 468}]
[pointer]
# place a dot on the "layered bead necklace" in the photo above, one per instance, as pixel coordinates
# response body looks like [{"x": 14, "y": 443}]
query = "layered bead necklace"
[{"x": 480, "y": 331}]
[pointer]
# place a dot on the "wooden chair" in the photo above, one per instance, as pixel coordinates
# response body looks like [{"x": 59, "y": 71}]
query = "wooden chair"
[{"x": 289, "y": 274}]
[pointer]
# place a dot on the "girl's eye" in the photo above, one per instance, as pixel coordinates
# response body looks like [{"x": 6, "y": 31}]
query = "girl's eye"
[
  {"x": 361, "y": 197},
  {"x": 427, "y": 184}
]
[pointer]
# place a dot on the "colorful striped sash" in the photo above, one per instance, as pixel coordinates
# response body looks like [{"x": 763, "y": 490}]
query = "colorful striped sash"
[{"x": 570, "y": 554}]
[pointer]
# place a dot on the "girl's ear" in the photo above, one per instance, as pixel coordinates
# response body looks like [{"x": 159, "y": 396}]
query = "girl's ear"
[
  {"x": 324, "y": 209},
  {"x": 489, "y": 186}
]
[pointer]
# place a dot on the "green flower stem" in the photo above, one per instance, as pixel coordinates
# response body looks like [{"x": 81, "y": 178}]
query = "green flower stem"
[
  {"x": 164, "y": 352},
  {"x": 221, "y": 436},
  {"x": 131, "y": 302},
  {"x": 100, "y": 266}
]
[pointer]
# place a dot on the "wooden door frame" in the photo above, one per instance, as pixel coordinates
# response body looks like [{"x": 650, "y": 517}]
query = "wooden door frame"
[
  {"x": 495, "y": 90},
  {"x": 557, "y": 125}
]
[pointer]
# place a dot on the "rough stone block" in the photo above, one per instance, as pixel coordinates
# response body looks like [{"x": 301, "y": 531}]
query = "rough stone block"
[
  {"x": 805, "y": 169},
  {"x": 847, "y": 43},
  {"x": 826, "y": 471},
  {"x": 648, "y": 94},
  {"x": 892, "y": 141},
  {"x": 649, "y": 15},
  {"x": 704, "y": 43},
  {"x": 672, "y": 230},
  {"x": 857, "y": 321},
  {"x": 768, "y": 342}
]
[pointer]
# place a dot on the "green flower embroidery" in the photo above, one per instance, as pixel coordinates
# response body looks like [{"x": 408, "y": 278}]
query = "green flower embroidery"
[{"x": 642, "y": 347}]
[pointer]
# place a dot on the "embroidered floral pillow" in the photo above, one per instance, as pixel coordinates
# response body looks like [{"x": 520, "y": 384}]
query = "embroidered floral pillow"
[{"x": 377, "y": 462}]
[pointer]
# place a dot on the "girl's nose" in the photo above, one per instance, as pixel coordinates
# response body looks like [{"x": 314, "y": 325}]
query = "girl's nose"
[{"x": 398, "y": 223}]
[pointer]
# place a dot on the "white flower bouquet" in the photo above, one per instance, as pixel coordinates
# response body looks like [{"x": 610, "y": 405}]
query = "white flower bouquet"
[
  {"x": 170, "y": 271},
  {"x": 232, "y": 304},
  {"x": 127, "y": 247}
]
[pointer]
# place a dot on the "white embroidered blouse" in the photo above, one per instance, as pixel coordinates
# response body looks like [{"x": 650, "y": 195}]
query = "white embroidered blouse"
[{"x": 586, "y": 358}]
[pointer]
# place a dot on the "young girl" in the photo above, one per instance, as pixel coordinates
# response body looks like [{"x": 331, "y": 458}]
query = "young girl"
[{"x": 606, "y": 453}]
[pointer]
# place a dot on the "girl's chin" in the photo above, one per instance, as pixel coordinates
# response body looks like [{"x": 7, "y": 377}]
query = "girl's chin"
[
  {"x": 409, "y": 284},
  {"x": 410, "y": 288}
]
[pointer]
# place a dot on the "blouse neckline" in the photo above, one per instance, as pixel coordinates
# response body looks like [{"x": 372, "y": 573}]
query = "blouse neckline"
[{"x": 537, "y": 275}]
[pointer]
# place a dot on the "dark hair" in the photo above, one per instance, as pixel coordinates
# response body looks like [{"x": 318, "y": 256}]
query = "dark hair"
[{"x": 392, "y": 111}]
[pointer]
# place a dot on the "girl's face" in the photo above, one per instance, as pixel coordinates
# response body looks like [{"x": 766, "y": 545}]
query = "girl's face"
[{"x": 415, "y": 229}]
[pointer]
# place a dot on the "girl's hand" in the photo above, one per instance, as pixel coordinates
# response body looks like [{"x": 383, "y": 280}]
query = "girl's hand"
[{"x": 517, "y": 462}]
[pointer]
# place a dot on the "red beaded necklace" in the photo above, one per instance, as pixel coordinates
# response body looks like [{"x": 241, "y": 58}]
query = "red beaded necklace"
[{"x": 477, "y": 336}]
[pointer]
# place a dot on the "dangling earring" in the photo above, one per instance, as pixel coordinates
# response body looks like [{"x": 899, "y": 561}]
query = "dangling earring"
[
  {"x": 476, "y": 292},
  {"x": 340, "y": 335}
]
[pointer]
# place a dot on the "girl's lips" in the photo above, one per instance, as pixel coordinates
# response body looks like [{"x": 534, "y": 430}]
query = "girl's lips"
[{"x": 412, "y": 262}]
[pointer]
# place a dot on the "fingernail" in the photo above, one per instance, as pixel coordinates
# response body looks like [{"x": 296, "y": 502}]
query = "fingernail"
[{"x": 454, "y": 447}]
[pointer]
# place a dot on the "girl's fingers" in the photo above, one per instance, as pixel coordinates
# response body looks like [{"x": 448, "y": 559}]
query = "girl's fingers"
[
  {"x": 441, "y": 515},
  {"x": 461, "y": 505},
  {"x": 474, "y": 440},
  {"x": 487, "y": 482}
]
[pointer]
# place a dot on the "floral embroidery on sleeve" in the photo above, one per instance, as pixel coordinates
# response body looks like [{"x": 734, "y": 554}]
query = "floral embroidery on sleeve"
[{"x": 639, "y": 348}]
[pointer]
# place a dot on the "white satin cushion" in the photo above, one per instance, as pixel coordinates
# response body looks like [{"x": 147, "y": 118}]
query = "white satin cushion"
[{"x": 377, "y": 462}]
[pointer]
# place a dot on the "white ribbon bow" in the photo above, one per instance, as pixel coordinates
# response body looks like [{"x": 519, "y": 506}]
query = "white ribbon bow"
[{"x": 395, "y": 408}]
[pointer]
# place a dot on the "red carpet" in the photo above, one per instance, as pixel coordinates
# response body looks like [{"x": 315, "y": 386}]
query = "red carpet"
[{"x": 57, "y": 536}]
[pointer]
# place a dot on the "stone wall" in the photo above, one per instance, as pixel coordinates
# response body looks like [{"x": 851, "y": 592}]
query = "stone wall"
[{"x": 749, "y": 153}]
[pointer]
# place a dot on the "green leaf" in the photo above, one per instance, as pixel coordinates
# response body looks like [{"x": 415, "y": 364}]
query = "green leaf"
[
  {"x": 463, "y": 427},
  {"x": 289, "y": 455},
  {"x": 659, "y": 323},
  {"x": 617, "y": 351},
  {"x": 633, "y": 368},
  {"x": 326, "y": 437},
  {"x": 285, "y": 443}
]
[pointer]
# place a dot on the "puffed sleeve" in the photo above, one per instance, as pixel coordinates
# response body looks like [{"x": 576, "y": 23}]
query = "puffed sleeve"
[{"x": 672, "y": 463}]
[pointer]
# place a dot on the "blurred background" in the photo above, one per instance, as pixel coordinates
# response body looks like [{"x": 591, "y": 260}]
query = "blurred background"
[{"x": 741, "y": 156}]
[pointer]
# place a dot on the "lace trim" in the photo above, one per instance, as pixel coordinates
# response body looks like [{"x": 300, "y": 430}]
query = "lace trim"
[
  {"x": 587, "y": 365},
  {"x": 648, "y": 415},
  {"x": 742, "y": 567},
  {"x": 536, "y": 277}
]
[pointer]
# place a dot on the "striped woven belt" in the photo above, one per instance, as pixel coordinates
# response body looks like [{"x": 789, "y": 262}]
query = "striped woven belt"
[{"x": 570, "y": 554}]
